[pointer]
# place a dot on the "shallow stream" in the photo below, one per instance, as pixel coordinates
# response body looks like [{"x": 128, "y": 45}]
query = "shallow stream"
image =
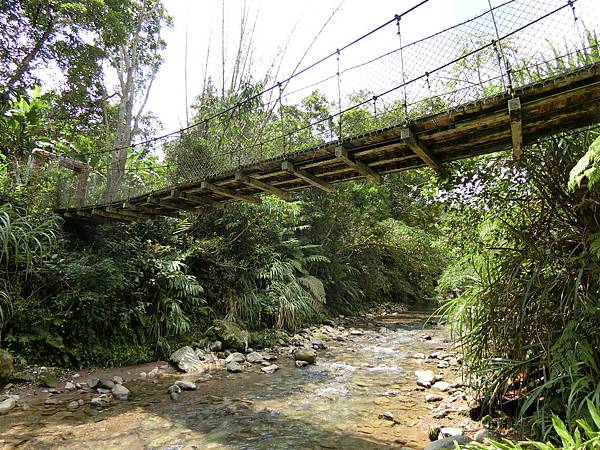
[{"x": 339, "y": 403}]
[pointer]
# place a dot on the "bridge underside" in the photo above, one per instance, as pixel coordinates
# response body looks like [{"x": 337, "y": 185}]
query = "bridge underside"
[{"x": 561, "y": 104}]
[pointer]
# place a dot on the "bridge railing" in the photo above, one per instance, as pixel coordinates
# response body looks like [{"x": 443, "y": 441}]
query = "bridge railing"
[{"x": 380, "y": 80}]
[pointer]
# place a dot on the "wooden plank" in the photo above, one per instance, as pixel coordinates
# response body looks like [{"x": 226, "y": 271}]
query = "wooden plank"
[
  {"x": 229, "y": 193},
  {"x": 516, "y": 127},
  {"x": 421, "y": 150},
  {"x": 360, "y": 167},
  {"x": 136, "y": 215},
  {"x": 147, "y": 210},
  {"x": 287, "y": 166},
  {"x": 253, "y": 182}
]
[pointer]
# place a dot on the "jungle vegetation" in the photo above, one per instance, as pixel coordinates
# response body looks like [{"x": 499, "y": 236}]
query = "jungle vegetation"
[{"x": 512, "y": 251}]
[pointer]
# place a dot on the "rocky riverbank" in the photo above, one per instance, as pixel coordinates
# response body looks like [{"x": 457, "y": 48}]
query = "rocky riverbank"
[{"x": 383, "y": 381}]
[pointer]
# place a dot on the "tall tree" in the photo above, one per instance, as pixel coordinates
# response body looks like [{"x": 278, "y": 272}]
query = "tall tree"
[{"x": 135, "y": 62}]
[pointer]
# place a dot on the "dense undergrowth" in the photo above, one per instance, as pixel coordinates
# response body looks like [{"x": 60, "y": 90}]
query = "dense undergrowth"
[{"x": 119, "y": 294}]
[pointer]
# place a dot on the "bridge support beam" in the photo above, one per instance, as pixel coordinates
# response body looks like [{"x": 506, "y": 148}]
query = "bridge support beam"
[
  {"x": 409, "y": 138},
  {"x": 288, "y": 167},
  {"x": 194, "y": 200},
  {"x": 360, "y": 167},
  {"x": 516, "y": 127},
  {"x": 149, "y": 211},
  {"x": 229, "y": 193},
  {"x": 253, "y": 182},
  {"x": 135, "y": 215},
  {"x": 120, "y": 217}
]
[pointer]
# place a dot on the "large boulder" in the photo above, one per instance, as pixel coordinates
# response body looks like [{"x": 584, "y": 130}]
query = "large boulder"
[
  {"x": 307, "y": 355},
  {"x": 7, "y": 405},
  {"x": 6, "y": 367},
  {"x": 235, "y": 357},
  {"x": 232, "y": 336},
  {"x": 187, "y": 360}
]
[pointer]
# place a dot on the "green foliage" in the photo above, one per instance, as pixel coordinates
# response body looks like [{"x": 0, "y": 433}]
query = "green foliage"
[
  {"x": 585, "y": 435},
  {"x": 587, "y": 169}
]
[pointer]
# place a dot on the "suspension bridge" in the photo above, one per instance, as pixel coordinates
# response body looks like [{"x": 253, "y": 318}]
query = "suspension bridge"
[{"x": 494, "y": 82}]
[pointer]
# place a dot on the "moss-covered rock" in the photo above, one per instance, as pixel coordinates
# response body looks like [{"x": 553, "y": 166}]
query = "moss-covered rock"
[
  {"x": 48, "y": 379},
  {"x": 6, "y": 367},
  {"x": 231, "y": 334}
]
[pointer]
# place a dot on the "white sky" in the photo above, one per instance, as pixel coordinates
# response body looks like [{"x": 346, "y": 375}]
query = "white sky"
[{"x": 275, "y": 21}]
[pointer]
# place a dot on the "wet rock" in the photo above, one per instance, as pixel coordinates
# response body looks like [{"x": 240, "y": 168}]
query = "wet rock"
[
  {"x": 441, "y": 413},
  {"x": 338, "y": 338},
  {"x": 174, "y": 388},
  {"x": 383, "y": 330},
  {"x": 6, "y": 367},
  {"x": 48, "y": 379},
  {"x": 153, "y": 373},
  {"x": 143, "y": 375},
  {"x": 269, "y": 369},
  {"x": 117, "y": 379},
  {"x": 484, "y": 435},
  {"x": 443, "y": 365},
  {"x": 425, "y": 378},
  {"x": 7, "y": 405},
  {"x": 186, "y": 385},
  {"x": 101, "y": 400},
  {"x": 186, "y": 360},
  {"x": 70, "y": 386},
  {"x": 234, "y": 367},
  {"x": 73, "y": 406},
  {"x": 236, "y": 358},
  {"x": 106, "y": 384},
  {"x": 93, "y": 382},
  {"x": 103, "y": 391},
  {"x": 430, "y": 398},
  {"x": 300, "y": 364},
  {"x": 269, "y": 357},
  {"x": 441, "y": 386},
  {"x": 174, "y": 396},
  {"x": 357, "y": 332},
  {"x": 387, "y": 416},
  {"x": 309, "y": 356},
  {"x": 317, "y": 344},
  {"x": 448, "y": 443},
  {"x": 216, "y": 346},
  {"x": 329, "y": 322},
  {"x": 53, "y": 401},
  {"x": 451, "y": 431},
  {"x": 120, "y": 392}
]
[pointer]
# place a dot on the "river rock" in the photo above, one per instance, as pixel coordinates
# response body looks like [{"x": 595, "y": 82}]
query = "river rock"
[
  {"x": 357, "y": 332},
  {"x": 174, "y": 388},
  {"x": 441, "y": 413},
  {"x": 153, "y": 373},
  {"x": 93, "y": 382},
  {"x": 300, "y": 364},
  {"x": 6, "y": 367},
  {"x": 117, "y": 379},
  {"x": 451, "y": 431},
  {"x": 387, "y": 415},
  {"x": 70, "y": 386},
  {"x": 235, "y": 357},
  {"x": 185, "y": 385},
  {"x": 186, "y": 360},
  {"x": 234, "y": 367},
  {"x": 73, "y": 405},
  {"x": 430, "y": 398},
  {"x": 48, "y": 379},
  {"x": 174, "y": 396},
  {"x": 484, "y": 435},
  {"x": 269, "y": 369},
  {"x": 448, "y": 443},
  {"x": 7, "y": 405},
  {"x": 308, "y": 355},
  {"x": 318, "y": 344},
  {"x": 441, "y": 386},
  {"x": 120, "y": 392},
  {"x": 216, "y": 346},
  {"x": 101, "y": 400},
  {"x": 425, "y": 378},
  {"x": 106, "y": 384},
  {"x": 255, "y": 358}
]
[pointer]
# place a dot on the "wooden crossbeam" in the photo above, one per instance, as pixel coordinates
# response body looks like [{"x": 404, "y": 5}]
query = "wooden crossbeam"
[
  {"x": 164, "y": 203},
  {"x": 421, "y": 150},
  {"x": 229, "y": 193},
  {"x": 194, "y": 199},
  {"x": 144, "y": 209},
  {"x": 104, "y": 213},
  {"x": 250, "y": 181},
  {"x": 287, "y": 166},
  {"x": 516, "y": 127},
  {"x": 360, "y": 167},
  {"x": 136, "y": 215}
]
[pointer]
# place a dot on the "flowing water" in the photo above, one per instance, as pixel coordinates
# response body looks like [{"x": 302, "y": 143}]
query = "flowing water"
[{"x": 337, "y": 403}]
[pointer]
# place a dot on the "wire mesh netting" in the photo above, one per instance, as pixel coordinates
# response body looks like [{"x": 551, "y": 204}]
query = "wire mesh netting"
[{"x": 381, "y": 80}]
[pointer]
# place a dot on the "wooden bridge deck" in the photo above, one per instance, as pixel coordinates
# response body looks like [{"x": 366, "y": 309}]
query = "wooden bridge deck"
[{"x": 560, "y": 104}]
